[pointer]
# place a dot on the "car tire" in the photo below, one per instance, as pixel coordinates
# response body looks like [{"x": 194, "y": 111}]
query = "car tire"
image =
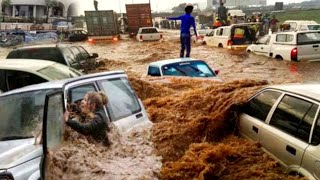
[
  {"x": 220, "y": 46},
  {"x": 249, "y": 51},
  {"x": 204, "y": 43},
  {"x": 279, "y": 58}
]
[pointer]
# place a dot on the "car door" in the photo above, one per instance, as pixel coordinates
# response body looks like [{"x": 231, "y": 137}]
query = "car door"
[
  {"x": 70, "y": 58},
  {"x": 3, "y": 84},
  {"x": 123, "y": 109},
  {"x": 256, "y": 112},
  {"x": 53, "y": 130},
  {"x": 308, "y": 44},
  {"x": 288, "y": 133},
  {"x": 262, "y": 46}
]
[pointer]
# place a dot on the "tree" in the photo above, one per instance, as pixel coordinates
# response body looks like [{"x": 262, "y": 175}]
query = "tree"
[
  {"x": 4, "y": 5},
  {"x": 179, "y": 8},
  {"x": 50, "y": 4}
]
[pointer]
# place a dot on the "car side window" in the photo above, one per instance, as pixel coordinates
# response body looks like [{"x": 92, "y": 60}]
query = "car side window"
[
  {"x": 122, "y": 99},
  {"x": 3, "y": 86},
  {"x": 154, "y": 71},
  {"x": 84, "y": 53},
  {"x": 294, "y": 116},
  {"x": 260, "y": 105},
  {"x": 76, "y": 94},
  {"x": 68, "y": 55},
  {"x": 18, "y": 79},
  {"x": 75, "y": 51},
  {"x": 316, "y": 133}
]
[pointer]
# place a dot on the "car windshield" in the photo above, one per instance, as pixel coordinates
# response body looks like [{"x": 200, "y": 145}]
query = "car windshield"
[
  {"x": 58, "y": 71},
  {"x": 189, "y": 68},
  {"x": 314, "y": 27},
  {"x": 21, "y": 115}
]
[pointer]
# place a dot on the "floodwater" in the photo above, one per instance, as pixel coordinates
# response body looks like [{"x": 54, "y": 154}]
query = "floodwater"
[{"x": 194, "y": 120}]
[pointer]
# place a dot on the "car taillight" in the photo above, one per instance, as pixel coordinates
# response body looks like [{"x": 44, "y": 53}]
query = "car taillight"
[
  {"x": 90, "y": 40},
  {"x": 229, "y": 43},
  {"x": 115, "y": 39},
  {"x": 217, "y": 72},
  {"x": 294, "y": 54},
  {"x": 141, "y": 37}
]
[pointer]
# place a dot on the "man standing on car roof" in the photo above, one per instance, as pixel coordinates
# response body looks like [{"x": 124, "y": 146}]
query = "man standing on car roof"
[{"x": 186, "y": 22}]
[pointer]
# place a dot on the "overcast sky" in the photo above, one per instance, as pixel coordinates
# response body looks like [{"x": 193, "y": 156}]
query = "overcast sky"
[{"x": 156, "y": 5}]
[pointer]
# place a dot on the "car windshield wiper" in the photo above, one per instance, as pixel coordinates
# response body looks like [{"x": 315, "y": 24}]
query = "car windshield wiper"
[
  {"x": 14, "y": 137},
  {"x": 198, "y": 70}
]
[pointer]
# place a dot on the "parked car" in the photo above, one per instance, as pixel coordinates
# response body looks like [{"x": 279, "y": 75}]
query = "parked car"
[
  {"x": 78, "y": 35},
  {"x": 148, "y": 34},
  {"x": 29, "y": 111},
  {"x": 302, "y": 25},
  {"x": 291, "y": 46},
  {"x": 18, "y": 73},
  {"x": 223, "y": 37},
  {"x": 285, "y": 120},
  {"x": 182, "y": 67},
  {"x": 70, "y": 55}
]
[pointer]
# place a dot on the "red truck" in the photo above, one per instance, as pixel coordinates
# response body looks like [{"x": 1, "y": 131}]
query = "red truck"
[{"x": 138, "y": 15}]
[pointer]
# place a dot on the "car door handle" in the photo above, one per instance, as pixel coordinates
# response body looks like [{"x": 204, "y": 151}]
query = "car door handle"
[
  {"x": 291, "y": 150},
  {"x": 255, "y": 129},
  {"x": 315, "y": 46}
]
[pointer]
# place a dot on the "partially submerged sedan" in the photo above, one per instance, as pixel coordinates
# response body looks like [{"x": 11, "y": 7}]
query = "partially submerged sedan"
[
  {"x": 182, "y": 67},
  {"x": 28, "y": 112},
  {"x": 285, "y": 120}
]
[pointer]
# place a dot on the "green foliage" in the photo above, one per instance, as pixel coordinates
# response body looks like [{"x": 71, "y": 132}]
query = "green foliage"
[{"x": 311, "y": 15}]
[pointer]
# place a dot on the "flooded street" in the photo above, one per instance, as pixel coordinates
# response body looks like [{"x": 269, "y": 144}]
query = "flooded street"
[{"x": 194, "y": 132}]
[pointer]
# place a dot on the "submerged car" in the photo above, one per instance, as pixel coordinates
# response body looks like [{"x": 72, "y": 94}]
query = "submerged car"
[
  {"x": 182, "y": 67},
  {"x": 78, "y": 35},
  {"x": 285, "y": 120},
  {"x": 17, "y": 73},
  {"x": 28, "y": 112},
  {"x": 70, "y": 55},
  {"x": 148, "y": 34}
]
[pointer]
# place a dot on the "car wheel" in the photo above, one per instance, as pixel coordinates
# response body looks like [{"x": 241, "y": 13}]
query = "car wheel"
[
  {"x": 279, "y": 58},
  {"x": 204, "y": 43},
  {"x": 220, "y": 46},
  {"x": 249, "y": 51}
]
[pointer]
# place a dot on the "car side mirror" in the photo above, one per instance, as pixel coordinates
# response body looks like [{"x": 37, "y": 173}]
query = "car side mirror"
[
  {"x": 94, "y": 55},
  {"x": 217, "y": 72}
]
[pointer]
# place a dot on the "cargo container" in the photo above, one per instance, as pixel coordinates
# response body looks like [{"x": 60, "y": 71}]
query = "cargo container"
[
  {"x": 138, "y": 15},
  {"x": 102, "y": 25}
]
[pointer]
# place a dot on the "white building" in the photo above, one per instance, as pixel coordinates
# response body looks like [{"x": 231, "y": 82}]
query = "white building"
[{"x": 38, "y": 9}]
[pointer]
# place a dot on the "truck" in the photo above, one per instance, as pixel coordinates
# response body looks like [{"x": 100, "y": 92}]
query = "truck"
[
  {"x": 291, "y": 46},
  {"x": 102, "y": 25},
  {"x": 138, "y": 15}
]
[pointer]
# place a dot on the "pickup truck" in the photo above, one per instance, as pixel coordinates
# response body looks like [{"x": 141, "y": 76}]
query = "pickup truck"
[
  {"x": 291, "y": 46},
  {"x": 300, "y": 25}
]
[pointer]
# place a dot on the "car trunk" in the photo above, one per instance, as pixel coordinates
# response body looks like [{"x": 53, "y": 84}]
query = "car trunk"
[
  {"x": 308, "y": 46},
  {"x": 243, "y": 35},
  {"x": 150, "y": 34}
]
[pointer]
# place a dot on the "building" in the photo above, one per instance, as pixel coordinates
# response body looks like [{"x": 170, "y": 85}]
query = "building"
[
  {"x": 37, "y": 9},
  {"x": 232, "y": 3}
]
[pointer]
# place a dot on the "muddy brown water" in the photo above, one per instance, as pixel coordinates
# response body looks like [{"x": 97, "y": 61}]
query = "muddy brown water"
[{"x": 194, "y": 120}]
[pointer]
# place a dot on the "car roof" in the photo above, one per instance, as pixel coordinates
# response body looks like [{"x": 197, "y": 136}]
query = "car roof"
[
  {"x": 30, "y": 65},
  {"x": 309, "y": 90},
  {"x": 42, "y": 46},
  {"x": 60, "y": 83},
  {"x": 301, "y": 21},
  {"x": 170, "y": 61}
]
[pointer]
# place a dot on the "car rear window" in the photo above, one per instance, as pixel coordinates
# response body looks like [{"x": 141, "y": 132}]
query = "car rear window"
[
  {"x": 52, "y": 54},
  {"x": 150, "y": 30},
  {"x": 308, "y": 38}
]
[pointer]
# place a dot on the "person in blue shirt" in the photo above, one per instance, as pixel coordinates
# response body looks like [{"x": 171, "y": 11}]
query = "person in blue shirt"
[{"x": 185, "y": 38}]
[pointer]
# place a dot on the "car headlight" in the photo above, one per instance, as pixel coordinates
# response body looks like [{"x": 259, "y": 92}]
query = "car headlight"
[{"x": 6, "y": 176}]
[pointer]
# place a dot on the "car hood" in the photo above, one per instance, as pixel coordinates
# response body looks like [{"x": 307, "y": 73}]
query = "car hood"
[{"x": 15, "y": 152}]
